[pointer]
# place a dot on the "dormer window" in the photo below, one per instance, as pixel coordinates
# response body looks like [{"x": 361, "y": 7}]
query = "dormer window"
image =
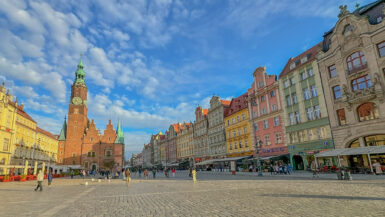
[
  {"x": 348, "y": 29},
  {"x": 292, "y": 66},
  {"x": 303, "y": 60}
]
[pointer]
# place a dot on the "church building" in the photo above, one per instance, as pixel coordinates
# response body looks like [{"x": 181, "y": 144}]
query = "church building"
[{"x": 80, "y": 142}]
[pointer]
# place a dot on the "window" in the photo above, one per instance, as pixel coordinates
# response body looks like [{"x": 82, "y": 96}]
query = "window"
[
  {"x": 361, "y": 83},
  {"x": 288, "y": 100},
  {"x": 310, "y": 72},
  {"x": 244, "y": 130},
  {"x": 313, "y": 91},
  {"x": 6, "y": 144},
  {"x": 303, "y": 75},
  {"x": 260, "y": 84},
  {"x": 341, "y": 116},
  {"x": 278, "y": 138},
  {"x": 297, "y": 117},
  {"x": 332, "y": 71},
  {"x": 254, "y": 114},
  {"x": 237, "y": 118},
  {"x": 243, "y": 117},
  {"x": 317, "y": 112},
  {"x": 272, "y": 94},
  {"x": 292, "y": 66},
  {"x": 256, "y": 126},
  {"x": 303, "y": 59},
  {"x": 240, "y": 144},
  {"x": 267, "y": 140},
  {"x": 276, "y": 121},
  {"x": 306, "y": 94},
  {"x": 263, "y": 111},
  {"x": 381, "y": 49},
  {"x": 234, "y": 133},
  {"x": 228, "y": 122},
  {"x": 239, "y": 132},
  {"x": 235, "y": 145},
  {"x": 292, "y": 82},
  {"x": 356, "y": 60},
  {"x": 231, "y": 146},
  {"x": 265, "y": 124},
  {"x": 262, "y": 98},
  {"x": 367, "y": 111},
  {"x": 233, "y": 121},
  {"x": 274, "y": 107},
  {"x": 294, "y": 97},
  {"x": 291, "y": 118},
  {"x": 246, "y": 144},
  {"x": 309, "y": 112},
  {"x": 337, "y": 92},
  {"x": 286, "y": 83}
]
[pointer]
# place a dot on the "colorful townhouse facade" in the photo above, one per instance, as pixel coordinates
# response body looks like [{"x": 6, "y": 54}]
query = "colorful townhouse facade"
[
  {"x": 237, "y": 128},
  {"x": 305, "y": 115},
  {"x": 352, "y": 67},
  {"x": 216, "y": 132},
  {"x": 265, "y": 112},
  {"x": 171, "y": 148},
  {"x": 185, "y": 143},
  {"x": 200, "y": 126}
]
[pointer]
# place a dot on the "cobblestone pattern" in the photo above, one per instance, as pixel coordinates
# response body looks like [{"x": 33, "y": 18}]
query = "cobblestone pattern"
[{"x": 177, "y": 197}]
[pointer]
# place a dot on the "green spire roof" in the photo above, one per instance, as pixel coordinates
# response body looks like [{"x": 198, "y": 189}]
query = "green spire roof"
[
  {"x": 119, "y": 135},
  {"x": 63, "y": 132},
  {"x": 80, "y": 74}
]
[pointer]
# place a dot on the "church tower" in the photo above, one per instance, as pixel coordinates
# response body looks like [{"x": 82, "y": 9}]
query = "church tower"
[{"x": 77, "y": 118}]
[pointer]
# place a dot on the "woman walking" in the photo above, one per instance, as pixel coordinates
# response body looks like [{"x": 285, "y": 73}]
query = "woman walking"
[
  {"x": 128, "y": 174},
  {"x": 49, "y": 179}
]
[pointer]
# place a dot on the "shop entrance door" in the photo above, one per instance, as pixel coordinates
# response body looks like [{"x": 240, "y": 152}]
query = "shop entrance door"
[{"x": 298, "y": 162}]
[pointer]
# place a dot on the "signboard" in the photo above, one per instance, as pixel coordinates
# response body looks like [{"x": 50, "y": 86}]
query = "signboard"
[{"x": 232, "y": 165}]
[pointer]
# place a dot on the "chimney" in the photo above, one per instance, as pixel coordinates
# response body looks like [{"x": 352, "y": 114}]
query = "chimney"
[{"x": 21, "y": 107}]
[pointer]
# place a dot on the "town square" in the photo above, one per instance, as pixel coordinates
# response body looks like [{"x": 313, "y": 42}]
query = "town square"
[{"x": 192, "y": 108}]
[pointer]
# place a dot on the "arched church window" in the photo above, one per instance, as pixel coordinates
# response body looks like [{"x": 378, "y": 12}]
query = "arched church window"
[
  {"x": 367, "y": 111},
  {"x": 355, "y": 61}
]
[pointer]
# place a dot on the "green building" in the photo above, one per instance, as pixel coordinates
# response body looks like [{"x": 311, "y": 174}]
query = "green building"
[{"x": 305, "y": 115}]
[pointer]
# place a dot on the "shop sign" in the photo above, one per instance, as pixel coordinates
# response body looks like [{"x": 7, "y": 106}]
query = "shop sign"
[
  {"x": 310, "y": 152},
  {"x": 326, "y": 143},
  {"x": 197, "y": 159}
]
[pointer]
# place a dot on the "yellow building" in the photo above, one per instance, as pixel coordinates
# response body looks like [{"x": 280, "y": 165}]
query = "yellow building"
[
  {"x": 48, "y": 146},
  {"x": 7, "y": 128},
  {"x": 237, "y": 127}
]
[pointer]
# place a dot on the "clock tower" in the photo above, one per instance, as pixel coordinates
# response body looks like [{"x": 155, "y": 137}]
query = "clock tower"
[{"x": 77, "y": 118}]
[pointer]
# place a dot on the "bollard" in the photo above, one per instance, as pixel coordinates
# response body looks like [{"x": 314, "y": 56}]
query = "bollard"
[{"x": 194, "y": 173}]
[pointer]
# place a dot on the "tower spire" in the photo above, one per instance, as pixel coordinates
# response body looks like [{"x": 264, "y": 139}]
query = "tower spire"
[{"x": 80, "y": 74}]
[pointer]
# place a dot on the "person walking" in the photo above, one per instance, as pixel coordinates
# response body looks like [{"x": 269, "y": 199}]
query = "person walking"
[
  {"x": 50, "y": 179},
  {"x": 173, "y": 172},
  {"x": 40, "y": 178},
  {"x": 153, "y": 172},
  {"x": 139, "y": 171},
  {"x": 313, "y": 167},
  {"x": 72, "y": 174},
  {"x": 128, "y": 174},
  {"x": 377, "y": 166},
  {"x": 84, "y": 174}
]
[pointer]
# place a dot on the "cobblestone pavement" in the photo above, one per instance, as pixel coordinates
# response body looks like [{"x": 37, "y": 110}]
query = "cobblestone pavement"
[{"x": 178, "y": 196}]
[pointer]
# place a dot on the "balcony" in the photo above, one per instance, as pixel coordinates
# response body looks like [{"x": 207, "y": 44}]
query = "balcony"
[{"x": 356, "y": 69}]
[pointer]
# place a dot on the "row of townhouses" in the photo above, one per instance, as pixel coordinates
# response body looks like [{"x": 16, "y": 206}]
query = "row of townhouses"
[{"x": 327, "y": 104}]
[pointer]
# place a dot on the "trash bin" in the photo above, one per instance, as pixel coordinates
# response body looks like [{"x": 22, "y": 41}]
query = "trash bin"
[{"x": 348, "y": 176}]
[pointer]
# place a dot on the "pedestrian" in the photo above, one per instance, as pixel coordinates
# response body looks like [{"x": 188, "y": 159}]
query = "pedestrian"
[
  {"x": 153, "y": 172},
  {"x": 276, "y": 169},
  {"x": 72, "y": 174},
  {"x": 128, "y": 174},
  {"x": 173, "y": 172},
  {"x": 313, "y": 167},
  {"x": 190, "y": 172},
  {"x": 145, "y": 173},
  {"x": 49, "y": 179},
  {"x": 84, "y": 174},
  {"x": 139, "y": 171},
  {"x": 289, "y": 169},
  {"x": 40, "y": 178},
  {"x": 377, "y": 166},
  {"x": 166, "y": 172}
]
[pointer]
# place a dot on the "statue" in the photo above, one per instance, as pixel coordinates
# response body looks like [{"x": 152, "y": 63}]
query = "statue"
[
  {"x": 347, "y": 93},
  {"x": 343, "y": 11}
]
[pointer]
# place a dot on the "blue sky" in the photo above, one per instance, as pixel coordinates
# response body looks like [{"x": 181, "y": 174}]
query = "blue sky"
[{"x": 149, "y": 63}]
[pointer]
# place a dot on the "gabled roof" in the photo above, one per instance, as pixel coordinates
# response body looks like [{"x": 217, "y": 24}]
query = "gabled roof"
[
  {"x": 310, "y": 54},
  {"x": 21, "y": 112},
  {"x": 226, "y": 102},
  {"x": 39, "y": 130},
  {"x": 237, "y": 104}
]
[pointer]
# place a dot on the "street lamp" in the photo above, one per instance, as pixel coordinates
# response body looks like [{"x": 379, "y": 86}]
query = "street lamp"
[{"x": 258, "y": 147}]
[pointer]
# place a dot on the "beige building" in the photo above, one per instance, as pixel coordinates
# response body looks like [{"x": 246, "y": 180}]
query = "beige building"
[
  {"x": 201, "y": 148},
  {"x": 352, "y": 68},
  {"x": 216, "y": 132},
  {"x": 185, "y": 143}
]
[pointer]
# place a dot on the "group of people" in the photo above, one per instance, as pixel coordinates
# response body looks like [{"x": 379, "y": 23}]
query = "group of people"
[
  {"x": 280, "y": 168},
  {"x": 40, "y": 179}
]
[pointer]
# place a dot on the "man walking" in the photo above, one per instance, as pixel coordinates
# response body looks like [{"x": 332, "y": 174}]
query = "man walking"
[
  {"x": 128, "y": 174},
  {"x": 153, "y": 172},
  {"x": 40, "y": 178},
  {"x": 49, "y": 179}
]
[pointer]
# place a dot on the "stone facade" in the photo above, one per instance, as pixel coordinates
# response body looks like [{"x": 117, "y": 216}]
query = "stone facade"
[
  {"x": 265, "y": 112},
  {"x": 162, "y": 148},
  {"x": 83, "y": 144},
  {"x": 171, "y": 148},
  {"x": 216, "y": 132},
  {"x": 201, "y": 124},
  {"x": 352, "y": 67},
  {"x": 185, "y": 143}
]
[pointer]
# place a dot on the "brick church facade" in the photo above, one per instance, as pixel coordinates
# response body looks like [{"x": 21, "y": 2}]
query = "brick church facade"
[{"x": 80, "y": 142}]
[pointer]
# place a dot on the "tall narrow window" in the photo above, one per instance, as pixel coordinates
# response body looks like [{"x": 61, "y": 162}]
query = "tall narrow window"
[
  {"x": 274, "y": 107},
  {"x": 276, "y": 121},
  {"x": 341, "y": 116},
  {"x": 262, "y": 98},
  {"x": 292, "y": 81},
  {"x": 309, "y": 112},
  {"x": 278, "y": 138},
  {"x": 267, "y": 140},
  {"x": 6, "y": 144},
  {"x": 265, "y": 124},
  {"x": 310, "y": 72},
  {"x": 288, "y": 100},
  {"x": 317, "y": 112},
  {"x": 306, "y": 94},
  {"x": 356, "y": 60},
  {"x": 361, "y": 83},
  {"x": 294, "y": 97},
  {"x": 297, "y": 117},
  {"x": 272, "y": 94},
  {"x": 381, "y": 49},
  {"x": 313, "y": 91},
  {"x": 332, "y": 71},
  {"x": 337, "y": 92},
  {"x": 291, "y": 118}
]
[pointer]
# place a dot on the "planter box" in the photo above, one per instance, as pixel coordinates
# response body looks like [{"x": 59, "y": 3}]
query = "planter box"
[
  {"x": 5, "y": 180},
  {"x": 23, "y": 180}
]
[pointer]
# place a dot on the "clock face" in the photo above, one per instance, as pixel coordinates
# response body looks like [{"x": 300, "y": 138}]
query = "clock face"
[{"x": 76, "y": 100}]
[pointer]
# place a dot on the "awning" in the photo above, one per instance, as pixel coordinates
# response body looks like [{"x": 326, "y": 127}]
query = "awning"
[
  {"x": 229, "y": 159},
  {"x": 352, "y": 151},
  {"x": 204, "y": 162}
]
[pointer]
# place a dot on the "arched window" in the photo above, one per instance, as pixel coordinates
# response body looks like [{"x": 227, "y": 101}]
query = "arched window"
[
  {"x": 367, "y": 111},
  {"x": 356, "y": 60}
]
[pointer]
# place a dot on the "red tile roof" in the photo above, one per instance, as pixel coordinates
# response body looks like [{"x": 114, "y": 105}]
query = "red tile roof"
[
  {"x": 205, "y": 111},
  {"x": 21, "y": 112},
  {"x": 237, "y": 104},
  {"x": 39, "y": 130},
  {"x": 226, "y": 102},
  {"x": 311, "y": 54}
]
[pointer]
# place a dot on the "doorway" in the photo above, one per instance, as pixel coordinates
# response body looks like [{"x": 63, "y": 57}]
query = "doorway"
[
  {"x": 298, "y": 162},
  {"x": 93, "y": 167}
]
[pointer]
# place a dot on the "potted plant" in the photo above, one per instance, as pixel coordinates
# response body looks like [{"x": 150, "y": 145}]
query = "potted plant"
[{"x": 23, "y": 178}]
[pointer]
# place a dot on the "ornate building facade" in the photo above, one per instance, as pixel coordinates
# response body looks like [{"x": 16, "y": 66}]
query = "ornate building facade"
[
  {"x": 265, "y": 112},
  {"x": 80, "y": 140},
  {"x": 185, "y": 143},
  {"x": 216, "y": 133},
  {"x": 352, "y": 67},
  {"x": 200, "y": 126}
]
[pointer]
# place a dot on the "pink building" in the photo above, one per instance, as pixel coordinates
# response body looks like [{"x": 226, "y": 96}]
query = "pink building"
[
  {"x": 266, "y": 114},
  {"x": 171, "y": 149}
]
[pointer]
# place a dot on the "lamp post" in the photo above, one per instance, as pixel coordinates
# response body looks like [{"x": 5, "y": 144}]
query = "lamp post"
[{"x": 258, "y": 147}]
